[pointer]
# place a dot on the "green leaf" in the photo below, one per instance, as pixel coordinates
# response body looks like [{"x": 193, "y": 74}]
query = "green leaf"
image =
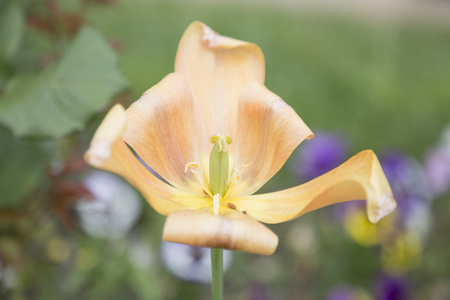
[
  {"x": 61, "y": 99},
  {"x": 21, "y": 167},
  {"x": 11, "y": 28}
]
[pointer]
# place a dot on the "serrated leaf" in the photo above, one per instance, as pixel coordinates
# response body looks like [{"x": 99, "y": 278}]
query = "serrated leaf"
[
  {"x": 62, "y": 99},
  {"x": 11, "y": 28},
  {"x": 21, "y": 168}
]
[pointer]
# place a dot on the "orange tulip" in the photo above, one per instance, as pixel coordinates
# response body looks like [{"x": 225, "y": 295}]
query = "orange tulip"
[{"x": 217, "y": 90}]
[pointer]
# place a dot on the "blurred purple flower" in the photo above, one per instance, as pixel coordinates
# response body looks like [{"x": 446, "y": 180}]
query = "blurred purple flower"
[
  {"x": 346, "y": 292},
  {"x": 320, "y": 155},
  {"x": 341, "y": 293},
  {"x": 258, "y": 292},
  {"x": 391, "y": 287},
  {"x": 437, "y": 164},
  {"x": 408, "y": 182}
]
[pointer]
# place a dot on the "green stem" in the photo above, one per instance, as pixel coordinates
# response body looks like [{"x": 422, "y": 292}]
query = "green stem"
[{"x": 217, "y": 273}]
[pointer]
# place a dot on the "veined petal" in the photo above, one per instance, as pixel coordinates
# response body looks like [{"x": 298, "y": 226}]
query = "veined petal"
[
  {"x": 361, "y": 177},
  {"x": 109, "y": 152},
  {"x": 230, "y": 230},
  {"x": 217, "y": 68},
  {"x": 269, "y": 130},
  {"x": 162, "y": 129}
]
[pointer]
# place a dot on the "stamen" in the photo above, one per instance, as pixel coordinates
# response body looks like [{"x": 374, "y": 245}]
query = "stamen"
[
  {"x": 235, "y": 177},
  {"x": 192, "y": 164},
  {"x": 216, "y": 203},
  {"x": 198, "y": 173},
  {"x": 244, "y": 212}
]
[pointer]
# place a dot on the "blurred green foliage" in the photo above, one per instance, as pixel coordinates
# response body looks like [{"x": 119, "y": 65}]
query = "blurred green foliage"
[
  {"x": 11, "y": 27},
  {"x": 61, "y": 99},
  {"x": 383, "y": 84}
]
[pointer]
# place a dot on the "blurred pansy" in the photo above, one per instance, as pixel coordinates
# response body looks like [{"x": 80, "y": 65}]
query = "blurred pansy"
[
  {"x": 190, "y": 263},
  {"x": 365, "y": 233},
  {"x": 437, "y": 164},
  {"x": 348, "y": 292},
  {"x": 322, "y": 154},
  {"x": 402, "y": 253},
  {"x": 411, "y": 189},
  {"x": 408, "y": 181},
  {"x": 115, "y": 209},
  {"x": 258, "y": 292},
  {"x": 216, "y": 134},
  {"x": 392, "y": 287}
]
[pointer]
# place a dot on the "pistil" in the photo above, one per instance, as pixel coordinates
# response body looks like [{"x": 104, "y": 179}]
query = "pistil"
[{"x": 219, "y": 164}]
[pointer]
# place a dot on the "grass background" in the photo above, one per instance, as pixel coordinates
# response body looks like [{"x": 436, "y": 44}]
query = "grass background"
[{"x": 346, "y": 74}]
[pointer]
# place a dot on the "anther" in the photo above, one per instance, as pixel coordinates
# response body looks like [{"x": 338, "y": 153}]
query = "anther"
[
  {"x": 244, "y": 212},
  {"x": 231, "y": 205}
]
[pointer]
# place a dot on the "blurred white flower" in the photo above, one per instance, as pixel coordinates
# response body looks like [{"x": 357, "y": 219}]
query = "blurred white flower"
[
  {"x": 114, "y": 210},
  {"x": 8, "y": 277},
  {"x": 191, "y": 263}
]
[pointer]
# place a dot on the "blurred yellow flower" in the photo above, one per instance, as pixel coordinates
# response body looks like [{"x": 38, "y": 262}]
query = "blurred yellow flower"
[
  {"x": 218, "y": 91},
  {"x": 365, "y": 233},
  {"x": 403, "y": 253}
]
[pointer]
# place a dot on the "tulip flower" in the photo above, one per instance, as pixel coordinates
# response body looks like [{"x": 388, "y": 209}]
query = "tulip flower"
[{"x": 216, "y": 134}]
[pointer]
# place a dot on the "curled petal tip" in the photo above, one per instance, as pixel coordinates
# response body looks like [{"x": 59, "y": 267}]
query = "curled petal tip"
[
  {"x": 109, "y": 130},
  {"x": 380, "y": 202},
  {"x": 210, "y": 38},
  {"x": 98, "y": 153},
  {"x": 361, "y": 177},
  {"x": 385, "y": 206}
]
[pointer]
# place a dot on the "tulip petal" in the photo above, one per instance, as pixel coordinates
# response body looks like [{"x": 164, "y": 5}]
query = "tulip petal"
[
  {"x": 361, "y": 177},
  {"x": 109, "y": 152},
  {"x": 162, "y": 129},
  {"x": 269, "y": 130},
  {"x": 231, "y": 230},
  {"x": 217, "y": 68}
]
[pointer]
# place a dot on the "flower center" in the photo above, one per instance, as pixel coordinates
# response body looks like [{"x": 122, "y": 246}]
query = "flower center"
[{"x": 220, "y": 183}]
